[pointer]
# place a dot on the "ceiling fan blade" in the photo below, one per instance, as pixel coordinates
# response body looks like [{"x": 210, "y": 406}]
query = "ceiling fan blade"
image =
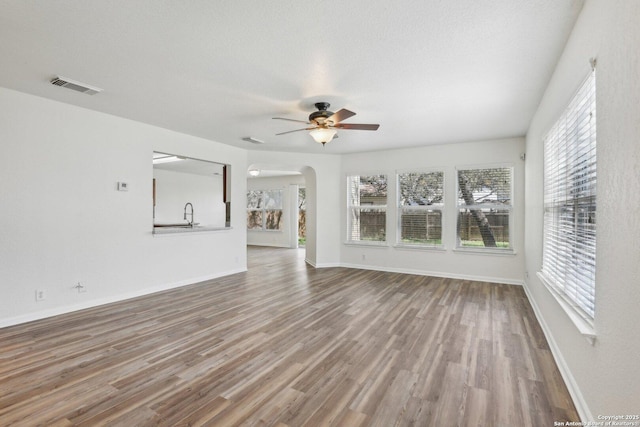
[
  {"x": 291, "y": 131},
  {"x": 356, "y": 126},
  {"x": 341, "y": 115},
  {"x": 291, "y": 120}
]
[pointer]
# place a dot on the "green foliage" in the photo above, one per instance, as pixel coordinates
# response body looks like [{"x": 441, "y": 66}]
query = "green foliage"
[{"x": 435, "y": 242}]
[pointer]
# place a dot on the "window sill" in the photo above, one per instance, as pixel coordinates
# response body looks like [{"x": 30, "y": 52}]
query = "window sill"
[
  {"x": 402, "y": 246},
  {"x": 366, "y": 243},
  {"x": 485, "y": 251},
  {"x": 584, "y": 326}
]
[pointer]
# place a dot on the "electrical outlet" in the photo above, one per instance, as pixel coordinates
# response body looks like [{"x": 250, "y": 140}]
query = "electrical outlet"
[
  {"x": 364, "y": 257},
  {"x": 40, "y": 295}
]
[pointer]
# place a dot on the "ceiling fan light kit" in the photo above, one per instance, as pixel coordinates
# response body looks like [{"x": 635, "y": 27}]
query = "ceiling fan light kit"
[
  {"x": 326, "y": 122},
  {"x": 323, "y": 135}
]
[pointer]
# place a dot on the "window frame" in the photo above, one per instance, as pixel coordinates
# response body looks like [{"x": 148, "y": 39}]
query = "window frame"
[
  {"x": 359, "y": 207},
  {"x": 400, "y": 209},
  {"x": 510, "y": 250}
]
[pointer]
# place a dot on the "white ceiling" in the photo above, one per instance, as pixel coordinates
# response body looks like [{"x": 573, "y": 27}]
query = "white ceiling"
[{"x": 429, "y": 71}]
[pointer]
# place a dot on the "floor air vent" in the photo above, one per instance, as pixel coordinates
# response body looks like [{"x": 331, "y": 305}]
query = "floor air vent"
[{"x": 74, "y": 85}]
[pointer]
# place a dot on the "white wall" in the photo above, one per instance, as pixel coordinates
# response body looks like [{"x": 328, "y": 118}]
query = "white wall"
[
  {"x": 287, "y": 237},
  {"x": 604, "y": 378},
  {"x": 445, "y": 263},
  {"x": 63, "y": 220},
  {"x": 175, "y": 189}
]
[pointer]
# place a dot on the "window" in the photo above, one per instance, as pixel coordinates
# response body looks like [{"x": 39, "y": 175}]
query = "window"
[
  {"x": 367, "y": 208},
  {"x": 484, "y": 208},
  {"x": 264, "y": 210},
  {"x": 420, "y": 204},
  {"x": 569, "y": 245},
  {"x": 302, "y": 216}
]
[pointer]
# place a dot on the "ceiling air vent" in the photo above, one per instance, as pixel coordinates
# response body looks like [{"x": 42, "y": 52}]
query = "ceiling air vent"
[
  {"x": 74, "y": 85},
  {"x": 253, "y": 140}
]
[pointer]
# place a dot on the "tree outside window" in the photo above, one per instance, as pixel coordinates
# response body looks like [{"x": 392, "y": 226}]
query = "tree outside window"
[
  {"x": 302, "y": 216},
  {"x": 484, "y": 207},
  {"x": 264, "y": 209},
  {"x": 420, "y": 205}
]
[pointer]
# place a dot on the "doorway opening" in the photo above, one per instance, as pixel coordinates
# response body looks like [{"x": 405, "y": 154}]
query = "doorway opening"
[{"x": 294, "y": 207}]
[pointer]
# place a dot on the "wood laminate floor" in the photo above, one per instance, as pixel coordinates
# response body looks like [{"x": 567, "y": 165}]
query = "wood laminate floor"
[{"x": 289, "y": 345}]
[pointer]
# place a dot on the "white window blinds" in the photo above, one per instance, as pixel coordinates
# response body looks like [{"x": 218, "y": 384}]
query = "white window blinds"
[{"x": 569, "y": 250}]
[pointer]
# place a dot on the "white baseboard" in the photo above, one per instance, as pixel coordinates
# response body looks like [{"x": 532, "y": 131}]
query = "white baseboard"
[
  {"x": 323, "y": 264},
  {"x": 436, "y": 274},
  {"x": 56, "y": 311},
  {"x": 574, "y": 390},
  {"x": 271, "y": 245}
]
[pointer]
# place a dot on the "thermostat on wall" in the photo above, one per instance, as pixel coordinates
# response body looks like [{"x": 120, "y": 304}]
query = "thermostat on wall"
[{"x": 123, "y": 186}]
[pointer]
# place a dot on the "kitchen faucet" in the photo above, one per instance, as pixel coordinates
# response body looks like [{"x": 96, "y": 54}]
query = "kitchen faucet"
[{"x": 185, "y": 213}]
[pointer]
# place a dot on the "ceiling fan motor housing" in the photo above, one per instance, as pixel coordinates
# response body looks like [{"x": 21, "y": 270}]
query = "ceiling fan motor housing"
[{"x": 320, "y": 116}]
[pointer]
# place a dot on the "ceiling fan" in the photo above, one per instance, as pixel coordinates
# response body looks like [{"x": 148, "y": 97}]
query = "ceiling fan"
[{"x": 324, "y": 123}]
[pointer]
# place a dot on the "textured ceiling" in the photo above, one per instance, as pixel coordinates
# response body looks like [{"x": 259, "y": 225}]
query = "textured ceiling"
[{"x": 429, "y": 71}]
